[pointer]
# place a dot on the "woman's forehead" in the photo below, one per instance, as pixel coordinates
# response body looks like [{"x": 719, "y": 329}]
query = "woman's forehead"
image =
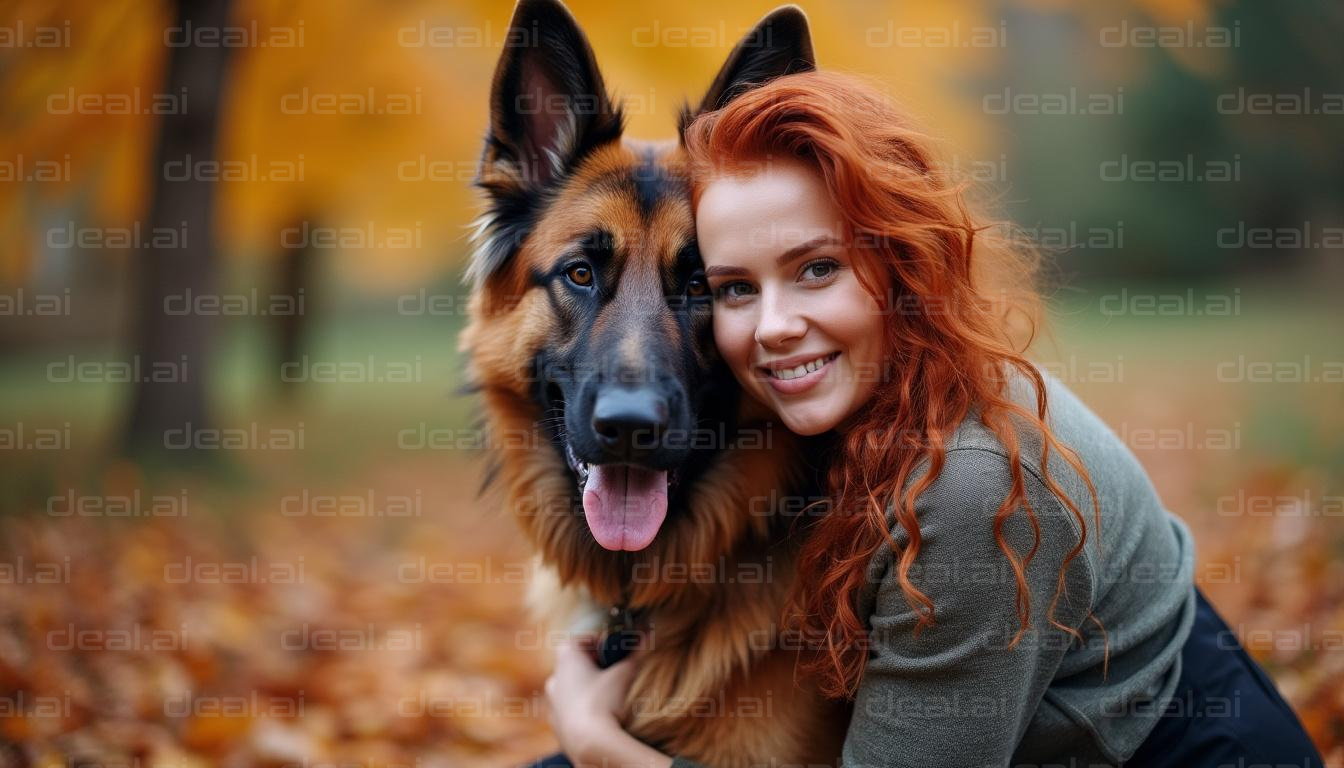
[{"x": 778, "y": 208}]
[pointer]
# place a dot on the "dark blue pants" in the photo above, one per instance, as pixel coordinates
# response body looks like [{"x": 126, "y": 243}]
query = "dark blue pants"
[{"x": 1227, "y": 712}]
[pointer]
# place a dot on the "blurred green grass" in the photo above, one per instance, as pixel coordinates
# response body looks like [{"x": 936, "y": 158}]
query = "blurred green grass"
[{"x": 1154, "y": 359}]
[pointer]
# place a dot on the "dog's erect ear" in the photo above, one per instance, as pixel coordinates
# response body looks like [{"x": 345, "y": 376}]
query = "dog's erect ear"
[
  {"x": 780, "y": 44},
  {"x": 548, "y": 109},
  {"x": 548, "y": 105}
]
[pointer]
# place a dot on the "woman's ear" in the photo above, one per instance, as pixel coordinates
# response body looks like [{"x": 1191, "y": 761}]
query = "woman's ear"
[{"x": 780, "y": 44}]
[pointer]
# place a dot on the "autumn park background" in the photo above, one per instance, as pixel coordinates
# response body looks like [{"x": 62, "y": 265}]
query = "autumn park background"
[{"x": 307, "y": 575}]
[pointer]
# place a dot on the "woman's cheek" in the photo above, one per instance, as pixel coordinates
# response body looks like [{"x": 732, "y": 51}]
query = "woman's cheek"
[
  {"x": 733, "y": 339},
  {"x": 858, "y": 317}
]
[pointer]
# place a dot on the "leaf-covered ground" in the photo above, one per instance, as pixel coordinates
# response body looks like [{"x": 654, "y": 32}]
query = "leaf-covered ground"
[{"x": 256, "y": 638}]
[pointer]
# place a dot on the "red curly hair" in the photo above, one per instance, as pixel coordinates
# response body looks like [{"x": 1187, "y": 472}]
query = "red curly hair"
[{"x": 977, "y": 312}]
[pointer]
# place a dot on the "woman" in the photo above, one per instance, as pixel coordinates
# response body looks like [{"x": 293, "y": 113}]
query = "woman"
[{"x": 980, "y": 511}]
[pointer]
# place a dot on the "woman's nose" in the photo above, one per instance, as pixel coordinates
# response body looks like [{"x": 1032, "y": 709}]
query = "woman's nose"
[{"x": 779, "y": 321}]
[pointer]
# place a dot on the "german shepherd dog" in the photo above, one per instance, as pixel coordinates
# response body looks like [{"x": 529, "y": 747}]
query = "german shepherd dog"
[{"x": 656, "y": 499}]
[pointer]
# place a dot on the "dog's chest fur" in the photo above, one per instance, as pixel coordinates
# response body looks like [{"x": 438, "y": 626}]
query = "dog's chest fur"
[{"x": 718, "y": 679}]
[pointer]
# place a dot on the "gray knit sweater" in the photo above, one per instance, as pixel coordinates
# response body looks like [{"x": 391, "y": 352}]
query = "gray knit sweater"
[{"x": 957, "y": 695}]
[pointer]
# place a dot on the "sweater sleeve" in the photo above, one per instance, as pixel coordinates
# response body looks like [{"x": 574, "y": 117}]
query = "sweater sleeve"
[{"x": 957, "y": 695}]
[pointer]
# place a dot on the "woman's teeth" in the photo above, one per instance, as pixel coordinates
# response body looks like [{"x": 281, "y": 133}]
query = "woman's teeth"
[{"x": 804, "y": 369}]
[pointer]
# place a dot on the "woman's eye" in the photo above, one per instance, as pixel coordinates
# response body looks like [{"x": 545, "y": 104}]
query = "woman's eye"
[
  {"x": 820, "y": 269},
  {"x": 580, "y": 275},
  {"x": 734, "y": 290}
]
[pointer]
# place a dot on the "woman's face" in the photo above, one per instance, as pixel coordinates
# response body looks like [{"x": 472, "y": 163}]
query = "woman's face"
[{"x": 790, "y": 317}]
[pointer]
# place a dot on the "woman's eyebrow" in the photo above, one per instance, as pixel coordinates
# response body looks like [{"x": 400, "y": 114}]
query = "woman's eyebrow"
[
  {"x": 799, "y": 250},
  {"x": 724, "y": 270},
  {"x": 784, "y": 258}
]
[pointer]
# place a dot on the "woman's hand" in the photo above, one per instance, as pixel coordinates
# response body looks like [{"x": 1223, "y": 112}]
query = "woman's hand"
[{"x": 585, "y": 702}]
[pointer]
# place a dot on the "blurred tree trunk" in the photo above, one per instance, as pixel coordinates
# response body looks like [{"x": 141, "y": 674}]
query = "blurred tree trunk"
[
  {"x": 171, "y": 394},
  {"x": 294, "y": 278}
]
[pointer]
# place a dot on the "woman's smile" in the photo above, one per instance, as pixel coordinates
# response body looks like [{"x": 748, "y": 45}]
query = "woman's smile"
[{"x": 790, "y": 379}]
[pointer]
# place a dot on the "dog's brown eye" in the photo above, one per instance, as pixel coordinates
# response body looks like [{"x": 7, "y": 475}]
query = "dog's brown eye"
[
  {"x": 580, "y": 274},
  {"x": 697, "y": 287}
]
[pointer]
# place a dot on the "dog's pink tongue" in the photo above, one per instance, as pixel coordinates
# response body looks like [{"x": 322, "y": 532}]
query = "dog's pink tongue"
[{"x": 624, "y": 505}]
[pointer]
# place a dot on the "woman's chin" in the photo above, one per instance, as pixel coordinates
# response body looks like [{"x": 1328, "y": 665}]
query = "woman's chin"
[
  {"x": 806, "y": 425},
  {"x": 805, "y": 419}
]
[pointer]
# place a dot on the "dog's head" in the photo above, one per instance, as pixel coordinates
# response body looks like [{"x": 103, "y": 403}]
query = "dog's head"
[{"x": 590, "y": 321}]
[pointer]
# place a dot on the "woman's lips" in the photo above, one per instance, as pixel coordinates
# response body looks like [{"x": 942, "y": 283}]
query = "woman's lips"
[{"x": 802, "y": 383}]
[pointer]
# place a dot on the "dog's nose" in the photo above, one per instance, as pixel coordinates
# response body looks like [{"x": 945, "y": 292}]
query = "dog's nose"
[{"x": 629, "y": 423}]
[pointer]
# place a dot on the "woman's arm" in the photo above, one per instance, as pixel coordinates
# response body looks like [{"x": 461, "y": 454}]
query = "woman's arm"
[{"x": 957, "y": 695}]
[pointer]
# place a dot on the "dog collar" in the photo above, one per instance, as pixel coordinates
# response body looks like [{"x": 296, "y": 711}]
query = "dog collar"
[{"x": 620, "y": 634}]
